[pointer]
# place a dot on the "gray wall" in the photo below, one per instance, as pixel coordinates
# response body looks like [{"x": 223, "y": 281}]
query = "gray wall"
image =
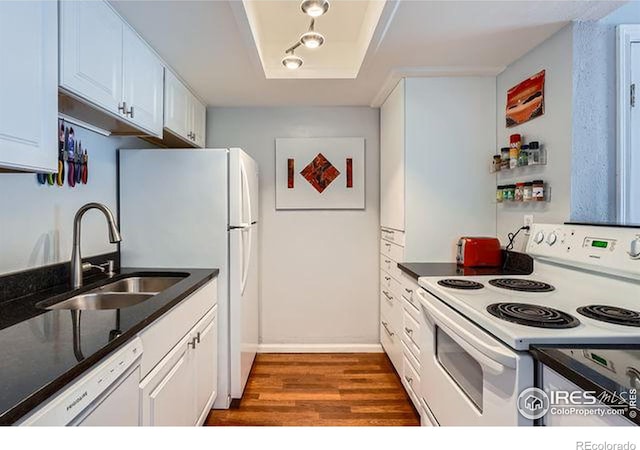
[
  {"x": 319, "y": 269},
  {"x": 36, "y": 224},
  {"x": 553, "y": 129},
  {"x": 593, "y": 181}
]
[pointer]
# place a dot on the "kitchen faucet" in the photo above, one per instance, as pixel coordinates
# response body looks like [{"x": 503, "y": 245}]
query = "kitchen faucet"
[{"x": 76, "y": 258}]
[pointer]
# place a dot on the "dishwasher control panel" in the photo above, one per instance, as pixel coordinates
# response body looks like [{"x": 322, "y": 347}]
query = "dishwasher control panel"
[{"x": 66, "y": 406}]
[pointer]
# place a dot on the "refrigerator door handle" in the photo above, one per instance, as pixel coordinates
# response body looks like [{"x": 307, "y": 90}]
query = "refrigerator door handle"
[
  {"x": 247, "y": 192},
  {"x": 246, "y": 261}
]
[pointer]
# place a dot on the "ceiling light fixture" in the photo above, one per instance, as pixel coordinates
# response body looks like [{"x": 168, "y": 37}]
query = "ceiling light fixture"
[
  {"x": 312, "y": 39},
  {"x": 315, "y": 8},
  {"x": 291, "y": 61}
]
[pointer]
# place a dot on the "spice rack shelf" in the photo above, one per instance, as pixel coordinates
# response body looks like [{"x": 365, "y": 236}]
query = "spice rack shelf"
[{"x": 517, "y": 169}]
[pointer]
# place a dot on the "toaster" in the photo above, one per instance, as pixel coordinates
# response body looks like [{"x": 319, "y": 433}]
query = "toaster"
[{"x": 479, "y": 252}]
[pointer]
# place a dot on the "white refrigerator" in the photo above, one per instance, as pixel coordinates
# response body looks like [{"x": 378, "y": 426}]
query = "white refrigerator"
[{"x": 199, "y": 209}]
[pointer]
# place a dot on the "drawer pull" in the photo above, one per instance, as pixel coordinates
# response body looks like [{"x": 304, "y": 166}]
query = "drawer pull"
[
  {"x": 386, "y": 294},
  {"x": 387, "y": 261},
  {"x": 409, "y": 291},
  {"x": 387, "y": 278},
  {"x": 408, "y": 330},
  {"x": 409, "y": 379},
  {"x": 387, "y": 244},
  {"x": 386, "y": 328}
]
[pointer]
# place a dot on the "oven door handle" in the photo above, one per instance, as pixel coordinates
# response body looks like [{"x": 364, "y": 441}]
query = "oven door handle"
[{"x": 494, "y": 358}]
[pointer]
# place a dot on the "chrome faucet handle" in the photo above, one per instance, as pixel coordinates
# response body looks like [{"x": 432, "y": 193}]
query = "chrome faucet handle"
[{"x": 107, "y": 268}]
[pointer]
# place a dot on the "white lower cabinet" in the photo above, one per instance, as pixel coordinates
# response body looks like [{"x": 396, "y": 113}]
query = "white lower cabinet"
[
  {"x": 180, "y": 390},
  {"x": 180, "y": 363}
]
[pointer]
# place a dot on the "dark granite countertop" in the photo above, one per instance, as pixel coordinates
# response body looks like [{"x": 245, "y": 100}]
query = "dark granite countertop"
[
  {"x": 38, "y": 355},
  {"x": 514, "y": 263},
  {"x": 417, "y": 270},
  {"x": 611, "y": 372}
]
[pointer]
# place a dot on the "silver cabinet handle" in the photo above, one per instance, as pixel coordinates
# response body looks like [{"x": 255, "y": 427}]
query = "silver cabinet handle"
[
  {"x": 387, "y": 244},
  {"x": 387, "y": 278},
  {"x": 192, "y": 344},
  {"x": 123, "y": 108},
  {"x": 386, "y": 294},
  {"x": 409, "y": 379},
  {"x": 194, "y": 137},
  {"x": 386, "y": 328},
  {"x": 197, "y": 338},
  {"x": 409, "y": 291},
  {"x": 408, "y": 330},
  {"x": 388, "y": 261},
  {"x": 130, "y": 112}
]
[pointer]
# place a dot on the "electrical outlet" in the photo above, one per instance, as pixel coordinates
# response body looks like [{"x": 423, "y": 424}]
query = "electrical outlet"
[{"x": 528, "y": 222}]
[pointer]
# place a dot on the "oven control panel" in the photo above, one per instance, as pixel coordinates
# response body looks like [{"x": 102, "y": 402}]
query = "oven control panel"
[{"x": 601, "y": 248}]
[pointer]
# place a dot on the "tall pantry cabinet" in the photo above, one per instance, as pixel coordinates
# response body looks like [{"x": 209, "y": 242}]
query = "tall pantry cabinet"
[{"x": 437, "y": 137}]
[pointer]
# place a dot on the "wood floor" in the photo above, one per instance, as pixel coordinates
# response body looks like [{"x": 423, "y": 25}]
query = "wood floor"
[{"x": 352, "y": 389}]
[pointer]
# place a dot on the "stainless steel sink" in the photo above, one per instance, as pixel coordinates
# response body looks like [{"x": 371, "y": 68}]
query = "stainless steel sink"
[
  {"x": 146, "y": 284},
  {"x": 101, "y": 300}
]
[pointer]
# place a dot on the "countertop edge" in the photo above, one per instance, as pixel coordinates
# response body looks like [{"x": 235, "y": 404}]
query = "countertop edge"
[
  {"x": 38, "y": 397},
  {"x": 545, "y": 355}
]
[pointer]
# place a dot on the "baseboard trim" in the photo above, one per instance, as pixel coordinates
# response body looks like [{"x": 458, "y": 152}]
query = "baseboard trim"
[{"x": 320, "y": 348}]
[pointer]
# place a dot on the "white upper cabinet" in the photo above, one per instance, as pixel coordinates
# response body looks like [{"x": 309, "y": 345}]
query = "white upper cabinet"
[
  {"x": 392, "y": 152},
  {"x": 177, "y": 105},
  {"x": 184, "y": 115},
  {"x": 199, "y": 123},
  {"x": 143, "y": 75},
  {"x": 91, "y": 53},
  {"x": 28, "y": 85},
  {"x": 104, "y": 63}
]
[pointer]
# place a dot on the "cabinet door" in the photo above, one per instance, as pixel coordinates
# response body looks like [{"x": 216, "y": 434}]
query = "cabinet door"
[
  {"x": 392, "y": 121},
  {"x": 206, "y": 357},
  {"x": 177, "y": 106},
  {"x": 199, "y": 118},
  {"x": 28, "y": 85},
  {"x": 143, "y": 75},
  {"x": 91, "y": 52},
  {"x": 168, "y": 392}
]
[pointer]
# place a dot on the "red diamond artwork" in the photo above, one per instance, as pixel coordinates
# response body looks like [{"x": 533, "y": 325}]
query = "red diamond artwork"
[{"x": 320, "y": 173}]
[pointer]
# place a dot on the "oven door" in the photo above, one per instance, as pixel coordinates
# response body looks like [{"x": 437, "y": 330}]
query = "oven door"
[{"x": 468, "y": 377}]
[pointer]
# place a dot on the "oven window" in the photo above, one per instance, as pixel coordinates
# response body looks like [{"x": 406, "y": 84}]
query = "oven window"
[{"x": 460, "y": 366}]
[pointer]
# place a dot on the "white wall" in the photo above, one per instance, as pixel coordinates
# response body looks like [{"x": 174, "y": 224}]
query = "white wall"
[
  {"x": 319, "y": 269},
  {"x": 36, "y": 220},
  {"x": 553, "y": 129}
]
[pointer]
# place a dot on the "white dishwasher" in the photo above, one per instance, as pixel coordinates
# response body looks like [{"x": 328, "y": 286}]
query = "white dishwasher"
[{"x": 106, "y": 396}]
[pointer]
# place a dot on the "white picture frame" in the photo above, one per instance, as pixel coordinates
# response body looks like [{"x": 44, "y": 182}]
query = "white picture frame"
[{"x": 325, "y": 184}]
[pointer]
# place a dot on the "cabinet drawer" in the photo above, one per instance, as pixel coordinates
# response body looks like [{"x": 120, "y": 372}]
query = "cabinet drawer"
[
  {"x": 394, "y": 236},
  {"x": 410, "y": 289},
  {"x": 391, "y": 250},
  {"x": 390, "y": 266},
  {"x": 391, "y": 284},
  {"x": 411, "y": 382},
  {"x": 390, "y": 307},
  {"x": 410, "y": 357},
  {"x": 411, "y": 333},
  {"x": 391, "y": 344}
]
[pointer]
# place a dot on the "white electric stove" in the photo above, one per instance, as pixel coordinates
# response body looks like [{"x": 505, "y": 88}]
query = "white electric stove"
[{"x": 585, "y": 289}]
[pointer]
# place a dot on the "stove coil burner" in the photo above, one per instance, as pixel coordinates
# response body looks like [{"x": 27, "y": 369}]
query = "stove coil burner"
[
  {"x": 611, "y": 314},
  {"x": 532, "y": 315},
  {"x": 455, "y": 283},
  {"x": 522, "y": 285}
]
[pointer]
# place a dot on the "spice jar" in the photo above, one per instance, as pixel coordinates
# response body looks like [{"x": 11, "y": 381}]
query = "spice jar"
[
  {"x": 538, "y": 190},
  {"x": 509, "y": 192},
  {"x": 524, "y": 155},
  {"x": 519, "y": 192},
  {"x": 499, "y": 194},
  {"x": 527, "y": 193},
  {"x": 504, "y": 153},
  {"x": 535, "y": 153},
  {"x": 515, "y": 141},
  {"x": 497, "y": 163}
]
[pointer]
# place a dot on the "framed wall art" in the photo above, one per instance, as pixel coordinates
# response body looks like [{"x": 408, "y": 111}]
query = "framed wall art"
[
  {"x": 320, "y": 173},
  {"x": 525, "y": 101}
]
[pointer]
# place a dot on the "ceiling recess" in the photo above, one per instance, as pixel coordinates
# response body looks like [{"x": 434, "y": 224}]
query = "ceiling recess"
[{"x": 347, "y": 31}]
